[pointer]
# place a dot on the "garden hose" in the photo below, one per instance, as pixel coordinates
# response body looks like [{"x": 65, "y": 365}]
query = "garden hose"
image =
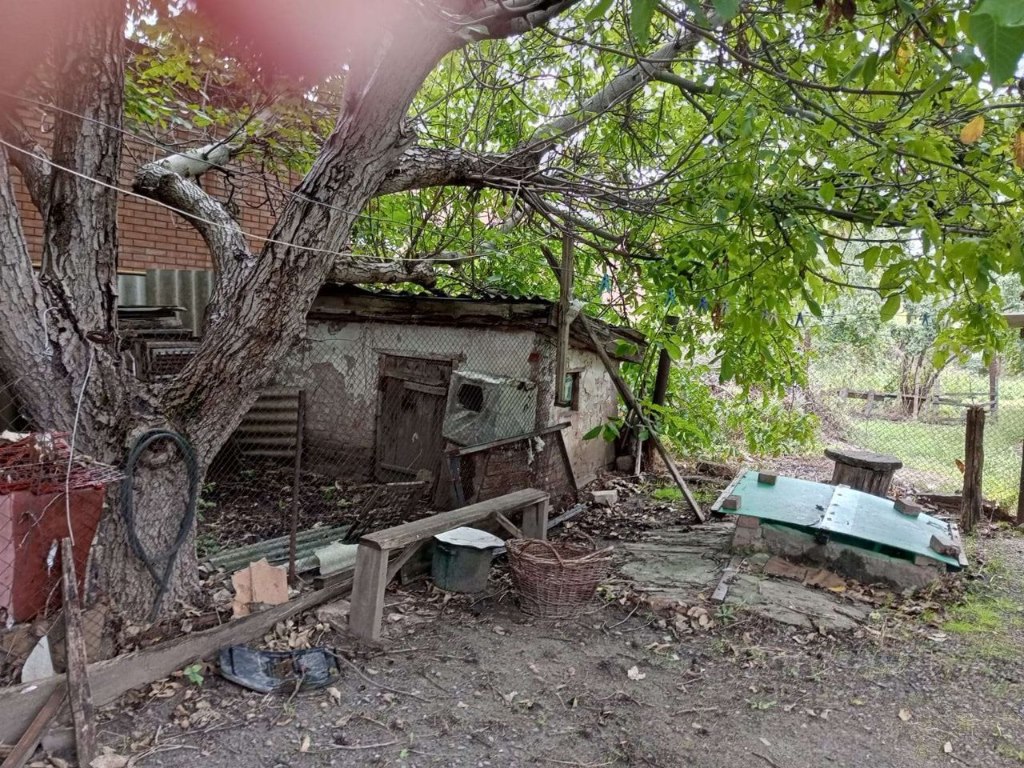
[{"x": 151, "y": 561}]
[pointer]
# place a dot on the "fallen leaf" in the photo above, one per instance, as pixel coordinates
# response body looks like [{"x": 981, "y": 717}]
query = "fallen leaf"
[
  {"x": 109, "y": 760},
  {"x": 973, "y": 130},
  {"x": 335, "y": 694},
  {"x": 306, "y": 743},
  {"x": 634, "y": 673},
  {"x": 947, "y": 747},
  {"x": 904, "y": 715}
]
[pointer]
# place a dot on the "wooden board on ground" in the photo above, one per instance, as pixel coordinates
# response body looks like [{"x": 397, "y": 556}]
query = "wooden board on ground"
[
  {"x": 114, "y": 677},
  {"x": 21, "y": 752}
]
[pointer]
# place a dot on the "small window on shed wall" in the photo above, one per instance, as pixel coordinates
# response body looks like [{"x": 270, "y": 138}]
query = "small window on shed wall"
[{"x": 569, "y": 397}]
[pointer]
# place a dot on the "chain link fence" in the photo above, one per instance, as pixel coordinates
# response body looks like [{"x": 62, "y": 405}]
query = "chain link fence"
[
  {"x": 370, "y": 424},
  {"x": 905, "y": 408}
]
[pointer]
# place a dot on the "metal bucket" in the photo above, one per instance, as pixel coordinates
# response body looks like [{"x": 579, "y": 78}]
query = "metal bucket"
[{"x": 459, "y": 568}]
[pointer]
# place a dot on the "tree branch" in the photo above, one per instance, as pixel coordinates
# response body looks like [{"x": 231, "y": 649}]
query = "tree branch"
[
  {"x": 421, "y": 167},
  {"x": 35, "y": 172},
  {"x": 222, "y": 234}
]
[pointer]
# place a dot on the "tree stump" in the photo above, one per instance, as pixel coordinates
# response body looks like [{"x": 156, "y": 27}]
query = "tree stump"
[{"x": 863, "y": 470}]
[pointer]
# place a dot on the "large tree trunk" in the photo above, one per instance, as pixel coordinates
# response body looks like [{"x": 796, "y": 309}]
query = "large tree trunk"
[{"x": 58, "y": 331}]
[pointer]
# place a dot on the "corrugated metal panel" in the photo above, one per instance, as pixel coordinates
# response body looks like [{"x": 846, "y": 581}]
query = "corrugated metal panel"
[
  {"x": 270, "y": 428},
  {"x": 187, "y": 288}
]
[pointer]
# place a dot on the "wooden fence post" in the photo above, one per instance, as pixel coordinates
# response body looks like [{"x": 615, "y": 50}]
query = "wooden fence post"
[
  {"x": 974, "y": 460},
  {"x": 1020, "y": 493}
]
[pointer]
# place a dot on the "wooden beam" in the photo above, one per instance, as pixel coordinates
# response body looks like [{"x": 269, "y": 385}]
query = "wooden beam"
[
  {"x": 368, "y": 592},
  {"x": 470, "y": 449},
  {"x": 26, "y": 745},
  {"x": 631, "y": 402},
  {"x": 112, "y": 678},
  {"x": 409, "y": 533},
  {"x": 569, "y": 469},
  {"x": 565, "y": 280},
  {"x": 79, "y": 692}
]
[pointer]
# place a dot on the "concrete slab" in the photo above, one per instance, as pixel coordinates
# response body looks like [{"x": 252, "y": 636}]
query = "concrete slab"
[{"x": 686, "y": 564}]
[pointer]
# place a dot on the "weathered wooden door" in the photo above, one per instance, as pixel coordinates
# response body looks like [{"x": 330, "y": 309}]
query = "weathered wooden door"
[{"x": 410, "y": 415}]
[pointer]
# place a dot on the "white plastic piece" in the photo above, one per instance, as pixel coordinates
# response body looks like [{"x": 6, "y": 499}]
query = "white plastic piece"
[
  {"x": 470, "y": 537},
  {"x": 39, "y": 663}
]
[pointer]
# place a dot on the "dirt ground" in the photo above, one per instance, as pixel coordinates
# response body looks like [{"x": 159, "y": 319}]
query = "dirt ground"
[{"x": 478, "y": 683}]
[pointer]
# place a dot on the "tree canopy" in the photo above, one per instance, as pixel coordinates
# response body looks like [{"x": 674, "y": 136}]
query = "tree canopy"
[
  {"x": 738, "y": 163},
  {"x": 715, "y": 161}
]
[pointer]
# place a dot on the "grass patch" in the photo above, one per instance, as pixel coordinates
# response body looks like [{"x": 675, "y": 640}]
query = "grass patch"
[
  {"x": 981, "y": 615},
  {"x": 933, "y": 449},
  {"x": 668, "y": 493}
]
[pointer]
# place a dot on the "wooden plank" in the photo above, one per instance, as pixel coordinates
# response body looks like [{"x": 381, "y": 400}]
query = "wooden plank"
[
  {"x": 79, "y": 692},
  {"x": 569, "y": 469},
  {"x": 368, "y": 592},
  {"x": 719, "y": 595},
  {"x": 394, "y": 566},
  {"x": 974, "y": 460},
  {"x": 408, "y": 533},
  {"x": 112, "y": 678},
  {"x": 565, "y": 280},
  {"x": 508, "y": 525},
  {"x": 26, "y": 745},
  {"x": 415, "y": 386},
  {"x": 535, "y": 520},
  {"x": 627, "y": 396},
  {"x": 471, "y": 449},
  {"x": 728, "y": 490}
]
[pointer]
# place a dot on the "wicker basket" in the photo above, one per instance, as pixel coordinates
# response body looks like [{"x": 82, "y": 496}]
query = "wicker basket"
[{"x": 556, "y": 580}]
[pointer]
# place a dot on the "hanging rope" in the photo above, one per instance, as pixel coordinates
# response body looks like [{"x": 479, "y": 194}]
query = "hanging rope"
[{"x": 152, "y": 561}]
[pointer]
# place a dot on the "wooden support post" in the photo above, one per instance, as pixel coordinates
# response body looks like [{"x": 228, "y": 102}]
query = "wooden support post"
[
  {"x": 535, "y": 520},
  {"x": 569, "y": 470},
  {"x": 26, "y": 746},
  {"x": 1020, "y": 493},
  {"x": 293, "y": 575},
  {"x": 369, "y": 582},
  {"x": 565, "y": 280},
  {"x": 78, "y": 677},
  {"x": 661, "y": 381},
  {"x": 974, "y": 460},
  {"x": 631, "y": 402}
]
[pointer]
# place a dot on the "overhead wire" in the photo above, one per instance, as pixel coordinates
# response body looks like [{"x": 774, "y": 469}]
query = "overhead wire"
[{"x": 194, "y": 217}]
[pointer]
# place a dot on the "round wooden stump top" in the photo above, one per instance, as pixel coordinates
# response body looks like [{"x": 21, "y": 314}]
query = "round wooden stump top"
[{"x": 864, "y": 459}]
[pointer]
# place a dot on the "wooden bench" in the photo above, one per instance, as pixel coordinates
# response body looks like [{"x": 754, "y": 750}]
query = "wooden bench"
[{"x": 374, "y": 568}]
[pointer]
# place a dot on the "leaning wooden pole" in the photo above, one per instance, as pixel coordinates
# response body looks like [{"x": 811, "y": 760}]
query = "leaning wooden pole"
[
  {"x": 631, "y": 402},
  {"x": 974, "y": 460},
  {"x": 79, "y": 691}
]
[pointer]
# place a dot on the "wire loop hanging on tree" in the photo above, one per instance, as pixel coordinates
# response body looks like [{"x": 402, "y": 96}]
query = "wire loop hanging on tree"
[{"x": 152, "y": 561}]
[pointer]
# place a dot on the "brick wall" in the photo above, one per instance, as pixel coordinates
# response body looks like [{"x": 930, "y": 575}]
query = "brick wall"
[{"x": 150, "y": 235}]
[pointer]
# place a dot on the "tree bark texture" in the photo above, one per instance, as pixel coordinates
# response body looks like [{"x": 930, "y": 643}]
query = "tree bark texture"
[{"x": 59, "y": 346}]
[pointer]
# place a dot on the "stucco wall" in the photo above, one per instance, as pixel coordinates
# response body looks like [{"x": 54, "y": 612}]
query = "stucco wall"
[
  {"x": 339, "y": 367},
  {"x": 598, "y": 402}
]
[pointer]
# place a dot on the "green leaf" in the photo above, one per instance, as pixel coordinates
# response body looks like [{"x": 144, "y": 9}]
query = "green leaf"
[
  {"x": 726, "y": 8},
  {"x": 827, "y": 192},
  {"x": 867, "y": 74},
  {"x": 997, "y": 27},
  {"x": 599, "y": 10},
  {"x": 595, "y": 432},
  {"x": 890, "y": 308},
  {"x": 640, "y": 14}
]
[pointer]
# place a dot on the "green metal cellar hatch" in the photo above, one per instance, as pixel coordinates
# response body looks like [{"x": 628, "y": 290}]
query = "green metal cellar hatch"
[{"x": 841, "y": 514}]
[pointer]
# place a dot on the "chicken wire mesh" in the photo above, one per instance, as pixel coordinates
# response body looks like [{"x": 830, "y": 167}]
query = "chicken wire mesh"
[{"x": 439, "y": 416}]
